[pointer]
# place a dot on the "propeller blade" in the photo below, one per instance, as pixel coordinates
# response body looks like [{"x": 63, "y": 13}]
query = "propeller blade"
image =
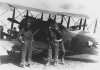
[{"x": 15, "y": 21}]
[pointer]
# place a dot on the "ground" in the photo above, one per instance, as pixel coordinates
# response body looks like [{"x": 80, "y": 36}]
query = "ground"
[{"x": 72, "y": 62}]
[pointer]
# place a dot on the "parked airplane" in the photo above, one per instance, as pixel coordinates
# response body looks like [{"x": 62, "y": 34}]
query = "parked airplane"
[{"x": 75, "y": 39}]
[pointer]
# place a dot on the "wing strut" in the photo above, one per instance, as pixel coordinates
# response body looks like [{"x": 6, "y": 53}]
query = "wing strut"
[
  {"x": 27, "y": 13},
  {"x": 49, "y": 15},
  {"x": 41, "y": 16},
  {"x": 62, "y": 19},
  {"x": 55, "y": 18},
  {"x": 68, "y": 22},
  {"x": 84, "y": 25},
  {"x": 80, "y": 25},
  {"x": 95, "y": 26},
  {"x": 12, "y": 20}
]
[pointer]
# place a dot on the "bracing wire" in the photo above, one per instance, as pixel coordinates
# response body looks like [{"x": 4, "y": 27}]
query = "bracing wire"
[
  {"x": 3, "y": 24},
  {"x": 4, "y": 12},
  {"x": 19, "y": 13}
]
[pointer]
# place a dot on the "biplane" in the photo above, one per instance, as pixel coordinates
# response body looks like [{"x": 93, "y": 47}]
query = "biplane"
[{"x": 75, "y": 37}]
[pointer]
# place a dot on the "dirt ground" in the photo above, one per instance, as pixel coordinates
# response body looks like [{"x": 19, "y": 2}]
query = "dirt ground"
[{"x": 72, "y": 62}]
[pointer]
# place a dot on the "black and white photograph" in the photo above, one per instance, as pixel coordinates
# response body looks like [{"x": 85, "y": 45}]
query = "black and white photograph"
[{"x": 49, "y": 35}]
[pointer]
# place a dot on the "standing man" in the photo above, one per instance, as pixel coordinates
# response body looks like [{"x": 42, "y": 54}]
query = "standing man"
[{"x": 26, "y": 33}]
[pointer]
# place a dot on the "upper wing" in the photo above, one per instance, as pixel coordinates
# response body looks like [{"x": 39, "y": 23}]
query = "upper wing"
[{"x": 38, "y": 6}]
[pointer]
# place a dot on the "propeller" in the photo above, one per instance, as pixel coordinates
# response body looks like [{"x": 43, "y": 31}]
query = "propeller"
[{"x": 15, "y": 21}]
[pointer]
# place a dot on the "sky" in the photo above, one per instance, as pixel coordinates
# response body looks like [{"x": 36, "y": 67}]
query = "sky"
[{"x": 88, "y": 7}]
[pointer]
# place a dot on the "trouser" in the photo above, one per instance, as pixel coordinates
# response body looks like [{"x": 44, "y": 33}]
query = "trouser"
[
  {"x": 62, "y": 49},
  {"x": 54, "y": 50},
  {"x": 27, "y": 51}
]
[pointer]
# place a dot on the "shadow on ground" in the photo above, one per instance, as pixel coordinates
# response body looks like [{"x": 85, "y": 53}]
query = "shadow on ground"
[
  {"x": 80, "y": 59},
  {"x": 16, "y": 58},
  {"x": 39, "y": 58}
]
